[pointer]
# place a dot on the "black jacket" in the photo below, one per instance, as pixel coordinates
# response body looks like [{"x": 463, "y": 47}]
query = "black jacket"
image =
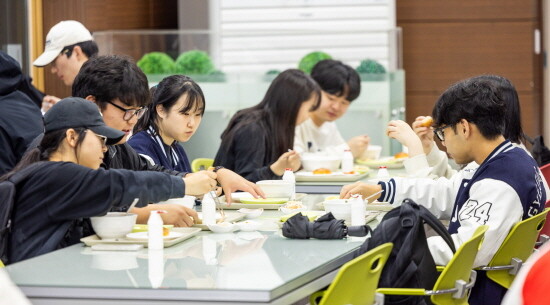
[
  {"x": 50, "y": 202},
  {"x": 246, "y": 154},
  {"x": 20, "y": 118},
  {"x": 123, "y": 156}
]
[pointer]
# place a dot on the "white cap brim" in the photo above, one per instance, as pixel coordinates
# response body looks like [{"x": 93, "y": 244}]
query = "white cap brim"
[{"x": 47, "y": 57}]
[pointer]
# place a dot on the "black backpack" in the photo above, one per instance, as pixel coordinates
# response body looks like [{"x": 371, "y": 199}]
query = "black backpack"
[
  {"x": 7, "y": 202},
  {"x": 410, "y": 264}
]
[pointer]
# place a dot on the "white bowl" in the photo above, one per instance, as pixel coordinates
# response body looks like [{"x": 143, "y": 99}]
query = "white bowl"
[
  {"x": 372, "y": 152},
  {"x": 311, "y": 161},
  {"x": 275, "y": 188},
  {"x": 251, "y": 213},
  {"x": 340, "y": 208},
  {"x": 223, "y": 227},
  {"x": 114, "y": 224},
  {"x": 187, "y": 201},
  {"x": 248, "y": 225}
]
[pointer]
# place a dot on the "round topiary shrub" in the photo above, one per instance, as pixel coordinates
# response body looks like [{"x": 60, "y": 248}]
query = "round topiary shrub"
[
  {"x": 310, "y": 60},
  {"x": 194, "y": 62},
  {"x": 156, "y": 63},
  {"x": 370, "y": 66}
]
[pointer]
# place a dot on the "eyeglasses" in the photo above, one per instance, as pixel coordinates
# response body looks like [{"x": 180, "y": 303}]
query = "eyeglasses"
[
  {"x": 129, "y": 113},
  {"x": 439, "y": 133},
  {"x": 103, "y": 140}
]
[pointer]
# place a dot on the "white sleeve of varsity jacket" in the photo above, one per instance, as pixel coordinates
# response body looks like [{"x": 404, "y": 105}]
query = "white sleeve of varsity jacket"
[
  {"x": 493, "y": 203},
  {"x": 438, "y": 195}
]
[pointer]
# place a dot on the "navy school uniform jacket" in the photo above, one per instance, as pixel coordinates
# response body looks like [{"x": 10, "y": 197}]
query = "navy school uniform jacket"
[
  {"x": 171, "y": 157},
  {"x": 58, "y": 193},
  {"x": 506, "y": 188}
]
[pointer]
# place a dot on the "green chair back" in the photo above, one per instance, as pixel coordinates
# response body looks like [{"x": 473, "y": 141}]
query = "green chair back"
[
  {"x": 357, "y": 280},
  {"x": 519, "y": 243},
  {"x": 201, "y": 164},
  {"x": 459, "y": 268},
  {"x": 1, "y": 264}
]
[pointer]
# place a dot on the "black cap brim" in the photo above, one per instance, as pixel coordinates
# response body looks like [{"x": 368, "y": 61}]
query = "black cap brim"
[{"x": 113, "y": 135}]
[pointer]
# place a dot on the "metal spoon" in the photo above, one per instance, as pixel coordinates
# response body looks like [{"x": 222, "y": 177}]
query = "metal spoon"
[{"x": 132, "y": 205}]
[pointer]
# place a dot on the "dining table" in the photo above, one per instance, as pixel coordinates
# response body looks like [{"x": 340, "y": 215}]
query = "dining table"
[{"x": 257, "y": 267}]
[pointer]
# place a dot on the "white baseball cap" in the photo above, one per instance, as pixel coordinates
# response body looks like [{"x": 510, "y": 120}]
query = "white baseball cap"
[{"x": 63, "y": 34}]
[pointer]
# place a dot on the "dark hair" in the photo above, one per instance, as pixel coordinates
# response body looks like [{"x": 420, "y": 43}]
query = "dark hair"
[
  {"x": 48, "y": 145},
  {"x": 337, "y": 78},
  {"x": 512, "y": 120},
  {"x": 111, "y": 77},
  {"x": 167, "y": 93},
  {"x": 89, "y": 48},
  {"x": 476, "y": 100},
  {"x": 277, "y": 112}
]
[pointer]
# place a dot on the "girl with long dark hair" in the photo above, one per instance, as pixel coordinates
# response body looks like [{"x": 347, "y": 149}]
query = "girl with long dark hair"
[{"x": 258, "y": 141}]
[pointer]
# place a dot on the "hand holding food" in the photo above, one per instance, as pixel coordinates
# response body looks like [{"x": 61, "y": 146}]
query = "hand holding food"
[
  {"x": 425, "y": 133},
  {"x": 426, "y": 122}
]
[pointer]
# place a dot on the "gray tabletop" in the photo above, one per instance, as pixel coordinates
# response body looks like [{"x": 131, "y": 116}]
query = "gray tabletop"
[{"x": 260, "y": 267}]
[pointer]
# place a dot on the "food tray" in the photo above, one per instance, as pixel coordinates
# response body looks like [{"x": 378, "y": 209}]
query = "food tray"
[
  {"x": 238, "y": 205},
  {"x": 187, "y": 233},
  {"x": 389, "y": 162},
  {"x": 303, "y": 176}
]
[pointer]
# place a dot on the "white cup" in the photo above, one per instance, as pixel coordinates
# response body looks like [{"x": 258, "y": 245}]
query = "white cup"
[{"x": 187, "y": 201}]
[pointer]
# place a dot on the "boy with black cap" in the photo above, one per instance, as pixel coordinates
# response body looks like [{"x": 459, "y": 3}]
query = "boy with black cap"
[{"x": 69, "y": 184}]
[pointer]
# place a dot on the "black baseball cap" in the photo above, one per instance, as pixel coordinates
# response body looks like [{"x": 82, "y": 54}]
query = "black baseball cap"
[{"x": 75, "y": 112}]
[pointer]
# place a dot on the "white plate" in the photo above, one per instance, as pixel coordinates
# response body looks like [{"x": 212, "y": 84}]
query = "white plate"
[
  {"x": 304, "y": 176},
  {"x": 186, "y": 233},
  {"x": 230, "y": 216},
  {"x": 144, "y": 235},
  {"x": 389, "y": 162},
  {"x": 265, "y": 206}
]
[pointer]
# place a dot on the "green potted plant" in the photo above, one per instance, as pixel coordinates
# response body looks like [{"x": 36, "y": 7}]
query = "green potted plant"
[
  {"x": 371, "y": 70},
  {"x": 156, "y": 65},
  {"x": 311, "y": 59},
  {"x": 198, "y": 65}
]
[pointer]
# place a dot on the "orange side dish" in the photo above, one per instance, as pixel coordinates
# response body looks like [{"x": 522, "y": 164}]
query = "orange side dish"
[{"x": 321, "y": 171}]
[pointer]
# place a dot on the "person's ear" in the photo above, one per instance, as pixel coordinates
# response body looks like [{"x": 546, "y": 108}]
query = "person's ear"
[
  {"x": 465, "y": 127},
  {"x": 80, "y": 56},
  {"x": 71, "y": 137},
  {"x": 161, "y": 111}
]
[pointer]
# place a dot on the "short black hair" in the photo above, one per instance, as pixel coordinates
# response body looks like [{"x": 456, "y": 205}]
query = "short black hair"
[
  {"x": 476, "y": 100},
  {"x": 337, "y": 78},
  {"x": 111, "y": 77},
  {"x": 88, "y": 47}
]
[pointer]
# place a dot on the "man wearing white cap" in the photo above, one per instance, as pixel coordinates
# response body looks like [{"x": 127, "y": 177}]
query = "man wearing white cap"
[{"x": 68, "y": 46}]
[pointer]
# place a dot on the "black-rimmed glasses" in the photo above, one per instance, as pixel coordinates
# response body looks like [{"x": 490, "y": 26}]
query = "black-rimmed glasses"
[
  {"x": 129, "y": 113},
  {"x": 440, "y": 133}
]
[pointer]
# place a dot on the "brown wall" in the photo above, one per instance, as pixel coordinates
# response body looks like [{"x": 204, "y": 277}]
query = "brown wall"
[
  {"x": 446, "y": 41},
  {"x": 101, "y": 15}
]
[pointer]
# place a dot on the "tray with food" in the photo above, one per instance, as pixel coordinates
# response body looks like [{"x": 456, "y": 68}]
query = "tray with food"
[
  {"x": 326, "y": 175},
  {"x": 171, "y": 237},
  {"x": 395, "y": 161},
  {"x": 248, "y": 202}
]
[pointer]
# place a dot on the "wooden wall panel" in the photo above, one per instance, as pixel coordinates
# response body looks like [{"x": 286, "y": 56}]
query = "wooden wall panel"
[
  {"x": 446, "y": 41},
  {"x": 441, "y": 54},
  {"x": 101, "y": 15},
  {"x": 465, "y": 10}
]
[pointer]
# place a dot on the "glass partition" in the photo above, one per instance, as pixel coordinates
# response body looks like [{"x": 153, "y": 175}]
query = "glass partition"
[{"x": 242, "y": 72}]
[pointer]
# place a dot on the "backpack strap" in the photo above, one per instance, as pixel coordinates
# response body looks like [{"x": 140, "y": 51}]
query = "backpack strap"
[
  {"x": 435, "y": 224},
  {"x": 25, "y": 172}
]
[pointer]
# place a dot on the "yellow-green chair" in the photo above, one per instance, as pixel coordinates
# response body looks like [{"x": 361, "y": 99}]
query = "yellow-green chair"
[
  {"x": 201, "y": 164},
  {"x": 456, "y": 279},
  {"x": 357, "y": 280},
  {"x": 1, "y": 264},
  {"x": 514, "y": 251}
]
